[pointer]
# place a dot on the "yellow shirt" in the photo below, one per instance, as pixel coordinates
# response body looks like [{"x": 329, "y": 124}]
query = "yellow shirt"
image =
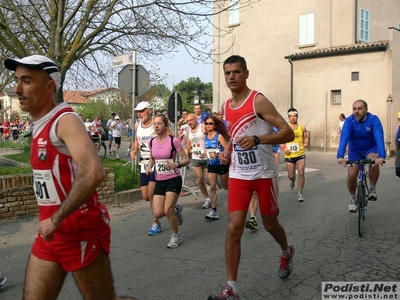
[{"x": 296, "y": 146}]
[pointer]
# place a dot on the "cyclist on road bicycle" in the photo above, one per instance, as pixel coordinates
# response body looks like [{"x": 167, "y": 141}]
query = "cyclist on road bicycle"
[{"x": 363, "y": 132}]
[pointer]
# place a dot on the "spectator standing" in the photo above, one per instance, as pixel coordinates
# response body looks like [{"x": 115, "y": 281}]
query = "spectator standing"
[
  {"x": 117, "y": 128},
  {"x": 110, "y": 131}
]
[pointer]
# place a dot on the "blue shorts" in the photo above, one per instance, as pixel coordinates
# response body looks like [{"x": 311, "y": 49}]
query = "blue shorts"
[
  {"x": 357, "y": 155},
  {"x": 145, "y": 179},
  {"x": 110, "y": 137}
]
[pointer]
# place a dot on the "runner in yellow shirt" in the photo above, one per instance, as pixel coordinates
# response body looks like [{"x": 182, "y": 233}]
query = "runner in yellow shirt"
[{"x": 295, "y": 156}]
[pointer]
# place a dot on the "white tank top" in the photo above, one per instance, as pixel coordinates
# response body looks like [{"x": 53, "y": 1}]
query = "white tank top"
[
  {"x": 144, "y": 135},
  {"x": 197, "y": 141}
]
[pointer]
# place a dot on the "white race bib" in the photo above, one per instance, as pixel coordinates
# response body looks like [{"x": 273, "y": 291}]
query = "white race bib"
[
  {"x": 44, "y": 188},
  {"x": 247, "y": 161},
  {"x": 161, "y": 166},
  {"x": 197, "y": 152},
  {"x": 294, "y": 147},
  {"x": 143, "y": 166},
  {"x": 212, "y": 153}
]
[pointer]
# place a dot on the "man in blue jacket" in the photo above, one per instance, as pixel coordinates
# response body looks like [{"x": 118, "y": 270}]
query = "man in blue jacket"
[{"x": 363, "y": 132}]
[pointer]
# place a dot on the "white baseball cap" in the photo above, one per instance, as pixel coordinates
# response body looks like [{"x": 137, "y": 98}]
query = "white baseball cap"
[
  {"x": 142, "y": 105},
  {"x": 36, "y": 62},
  {"x": 116, "y": 117}
]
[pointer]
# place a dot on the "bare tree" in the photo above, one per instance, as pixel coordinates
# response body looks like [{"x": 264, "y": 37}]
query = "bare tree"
[{"x": 82, "y": 35}]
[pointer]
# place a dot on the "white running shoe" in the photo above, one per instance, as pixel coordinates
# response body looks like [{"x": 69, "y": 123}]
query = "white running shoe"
[
  {"x": 174, "y": 242},
  {"x": 207, "y": 204},
  {"x": 300, "y": 198},
  {"x": 352, "y": 205},
  {"x": 212, "y": 215},
  {"x": 3, "y": 280}
]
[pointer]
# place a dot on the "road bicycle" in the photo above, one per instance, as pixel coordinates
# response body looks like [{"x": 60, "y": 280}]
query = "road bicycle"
[
  {"x": 100, "y": 147},
  {"x": 362, "y": 190}
]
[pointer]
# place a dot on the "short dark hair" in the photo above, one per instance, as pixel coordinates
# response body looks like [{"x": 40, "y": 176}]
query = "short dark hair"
[
  {"x": 236, "y": 59},
  {"x": 343, "y": 116},
  {"x": 363, "y": 102},
  {"x": 292, "y": 110}
]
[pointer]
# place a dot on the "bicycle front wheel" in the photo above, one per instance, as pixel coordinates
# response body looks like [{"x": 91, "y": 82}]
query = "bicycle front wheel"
[
  {"x": 360, "y": 206},
  {"x": 102, "y": 150}
]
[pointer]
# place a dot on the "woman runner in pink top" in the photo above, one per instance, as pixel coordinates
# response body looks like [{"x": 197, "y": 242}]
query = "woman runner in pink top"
[{"x": 163, "y": 150}]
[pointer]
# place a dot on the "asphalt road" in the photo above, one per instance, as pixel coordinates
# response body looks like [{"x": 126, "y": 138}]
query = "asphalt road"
[{"x": 322, "y": 230}]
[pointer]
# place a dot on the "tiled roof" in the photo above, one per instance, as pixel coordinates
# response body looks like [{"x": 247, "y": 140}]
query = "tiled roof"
[
  {"x": 91, "y": 93},
  {"x": 74, "y": 97},
  {"x": 341, "y": 50}
]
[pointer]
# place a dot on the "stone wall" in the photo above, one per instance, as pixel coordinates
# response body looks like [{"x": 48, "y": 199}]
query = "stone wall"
[{"x": 18, "y": 199}]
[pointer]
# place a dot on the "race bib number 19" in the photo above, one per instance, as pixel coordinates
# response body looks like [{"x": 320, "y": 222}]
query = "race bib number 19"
[{"x": 44, "y": 188}]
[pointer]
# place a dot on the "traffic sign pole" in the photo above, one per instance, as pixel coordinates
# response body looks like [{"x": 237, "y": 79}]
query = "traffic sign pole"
[{"x": 133, "y": 117}]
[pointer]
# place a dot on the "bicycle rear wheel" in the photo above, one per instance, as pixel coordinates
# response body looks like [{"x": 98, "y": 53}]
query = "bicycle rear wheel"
[{"x": 360, "y": 206}]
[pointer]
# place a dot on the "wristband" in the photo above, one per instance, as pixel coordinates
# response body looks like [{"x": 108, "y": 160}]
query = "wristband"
[{"x": 179, "y": 166}]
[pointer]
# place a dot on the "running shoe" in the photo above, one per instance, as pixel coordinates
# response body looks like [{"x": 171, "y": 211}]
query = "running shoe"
[
  {"x": 226, "y": 294},
  {"x": 207, "y": 204},
  {"x": 251, "y": 224},
  {"x": 292, "y": 181},
  {"x": 212, "y": 215},
  {"x": 179, "y": 213},
  {"x": 128, "y": 152},
  {"x": 300, "y": 198},
  {"x": 3, "y": 280},
  {"x": 117, "y": 156},
  {"x": 174, "y": 242},
  {"x": 155, "y": 229},
  {"x": 372, "y": 196},
  {"x": 109, "y": 152},
  {"x": 286, "y": 264},
  {"x": 352, "y": 205}
]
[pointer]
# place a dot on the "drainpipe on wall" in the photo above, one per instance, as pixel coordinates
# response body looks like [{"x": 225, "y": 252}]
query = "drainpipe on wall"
[
  {"x": 356, "y": 21},
  {"x": 389, "y": 104},
  {"x": 291, "y": 82}
]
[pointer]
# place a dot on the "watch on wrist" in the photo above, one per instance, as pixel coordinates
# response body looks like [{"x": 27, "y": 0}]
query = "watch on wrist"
[
  {"x": 256, "y": 139},
  {"x": 179, "y": 166}
]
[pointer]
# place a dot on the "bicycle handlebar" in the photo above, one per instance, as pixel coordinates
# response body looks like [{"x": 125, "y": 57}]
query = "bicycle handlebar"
[{"x": 362, "y": 162}]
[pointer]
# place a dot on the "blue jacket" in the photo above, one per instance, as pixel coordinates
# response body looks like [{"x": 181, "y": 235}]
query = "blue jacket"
[{"x": 362, "y": 136}]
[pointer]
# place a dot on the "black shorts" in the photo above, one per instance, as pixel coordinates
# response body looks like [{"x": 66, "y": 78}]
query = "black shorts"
[
  {"x": 293, "y": 160},
  {"x": 169, "y": 185},
  {"x": 220, "y": 170},
  {"x": 117, "y": 140}
]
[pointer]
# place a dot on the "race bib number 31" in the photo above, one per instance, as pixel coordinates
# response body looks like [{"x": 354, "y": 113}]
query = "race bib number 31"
[{"x": 44, "y": 188}]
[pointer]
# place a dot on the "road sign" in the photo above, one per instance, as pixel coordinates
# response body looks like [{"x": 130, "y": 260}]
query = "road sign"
[
  {"x": 123, "y": 60},
  {"x": 172, "y": 108},
  {"x": 142, "y": 79}
]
